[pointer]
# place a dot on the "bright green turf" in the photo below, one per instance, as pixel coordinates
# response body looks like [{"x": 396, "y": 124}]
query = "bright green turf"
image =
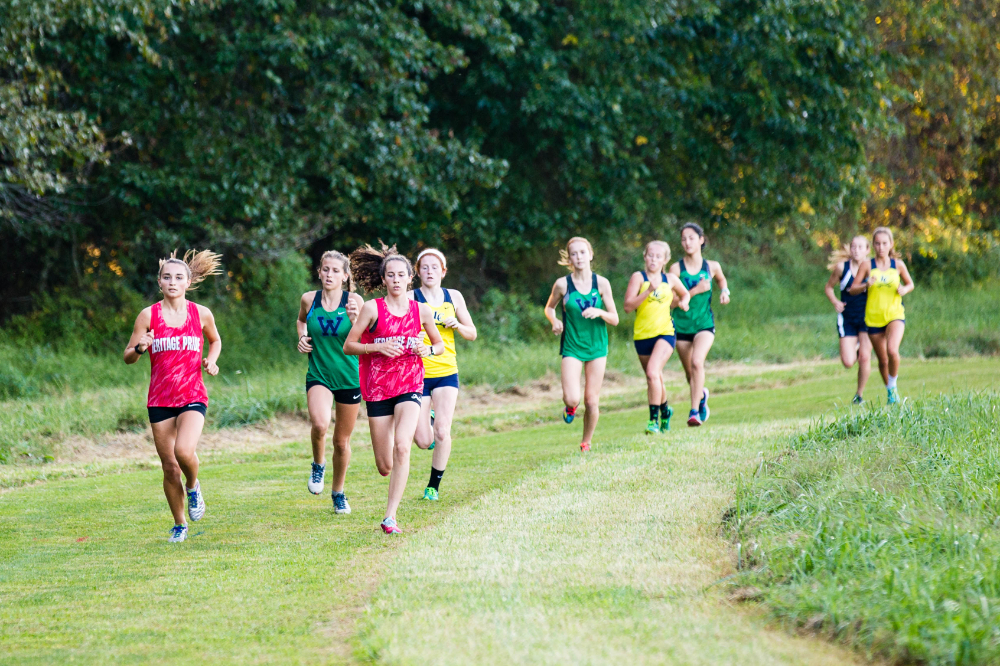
[{"x": 272, "y": 576}]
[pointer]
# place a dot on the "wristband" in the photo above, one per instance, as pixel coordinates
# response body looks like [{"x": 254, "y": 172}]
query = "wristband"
[
  {"x": 724, "y": 292},
  {"x": 136, "y": 349},
  {"x": 432, "y": 350}
]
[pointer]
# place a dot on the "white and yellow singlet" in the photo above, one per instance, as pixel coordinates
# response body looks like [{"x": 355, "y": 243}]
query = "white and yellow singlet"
[
  {"x": 444, "y": 364},
  {"x": 652, "y": 317},
  {"x": 884, "y": 302}
]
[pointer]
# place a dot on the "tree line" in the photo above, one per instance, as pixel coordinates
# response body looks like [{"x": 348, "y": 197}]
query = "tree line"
[{"x": 492, "y": 128}]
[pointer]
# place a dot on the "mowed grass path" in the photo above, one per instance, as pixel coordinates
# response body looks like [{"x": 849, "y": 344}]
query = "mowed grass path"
[{"x": 535, "y": 554}]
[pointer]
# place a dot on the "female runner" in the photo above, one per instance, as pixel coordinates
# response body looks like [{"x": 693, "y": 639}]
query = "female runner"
[
  {"x": 440, "y": 372},
  {"x": 696, "y": 325},
  {"x": 650, "y": 293},
  {"x": 173, "y": 331},
  {"x": 588, "y": 307},
  {"x": 325, "y": 318},
  {"x": 887, "y": 281},
  {"x": 855, "y": 345},
  {"x": 387, "y": 337}
]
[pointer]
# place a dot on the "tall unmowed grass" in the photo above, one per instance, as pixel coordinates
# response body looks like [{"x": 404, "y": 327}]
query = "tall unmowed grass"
[
  {"x": 52, "y": 388},
  {"x": 880, "y": 528}
]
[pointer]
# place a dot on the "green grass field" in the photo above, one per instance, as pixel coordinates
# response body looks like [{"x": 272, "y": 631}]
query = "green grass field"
[{"x": 534, "y": 555}]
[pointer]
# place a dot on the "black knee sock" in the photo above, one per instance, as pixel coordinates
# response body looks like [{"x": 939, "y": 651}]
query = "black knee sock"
[
  {"x": 435, "y": 481},
  {"x": 663, "y": 410},
  {"x": 654, "y": 412}
]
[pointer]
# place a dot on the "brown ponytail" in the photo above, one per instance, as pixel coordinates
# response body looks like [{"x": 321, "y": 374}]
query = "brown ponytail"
[
  {"x": 199, "y": 265},
  {"x": 368, "y": 265}
]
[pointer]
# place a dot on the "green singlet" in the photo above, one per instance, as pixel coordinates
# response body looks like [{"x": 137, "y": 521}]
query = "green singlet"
[
  {"x": 699, "y": 316},
  {"x": 328, "y": 364},
  {"x": 583, "y": 339}
]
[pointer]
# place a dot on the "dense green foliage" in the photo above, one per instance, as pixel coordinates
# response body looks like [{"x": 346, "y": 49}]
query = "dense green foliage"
[
  {"x": 879, "y": 527},
  {"x": 493, "y": 128}
]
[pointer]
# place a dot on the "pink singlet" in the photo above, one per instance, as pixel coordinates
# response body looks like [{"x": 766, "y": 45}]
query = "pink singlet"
[
  {"x": 383, "y": 377},
  {"x": 175, "y": 361}
]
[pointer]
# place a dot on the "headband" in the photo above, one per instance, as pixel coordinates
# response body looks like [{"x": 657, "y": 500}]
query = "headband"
[{"x": 436, "y": 253}]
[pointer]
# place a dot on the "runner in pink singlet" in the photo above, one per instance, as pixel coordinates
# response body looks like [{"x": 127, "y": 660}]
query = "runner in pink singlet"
[
  {"x": 383, "y": 377},
  {"x": 388, "y": 336},
  {"x": 175, "y": 361},
  {"x": 173, "y": 332}
]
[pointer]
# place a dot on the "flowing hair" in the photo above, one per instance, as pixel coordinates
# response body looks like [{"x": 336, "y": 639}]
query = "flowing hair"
[
  {"x": 368, "y": 265},
  {"x": 564, "y": 254},
  {"x": 842, "y": 254},
  {"x": 333, "y": 254},
  {"x": 199, "y": 265}
]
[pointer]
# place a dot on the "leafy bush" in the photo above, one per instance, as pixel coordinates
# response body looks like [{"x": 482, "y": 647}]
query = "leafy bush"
[{"x": 880, "y": 528}]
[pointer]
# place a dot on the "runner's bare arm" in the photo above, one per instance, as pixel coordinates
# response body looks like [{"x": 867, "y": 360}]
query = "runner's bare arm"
[
  {"x": 831, "y": 285},
  {"x": 860, "y": 279},
  {"x": 427, "y": 321},
  {"x": 610, "y": 312},
  {"x": 633, "y": 299},
  {"x": 682, "y": 297},
  {"x": 211, "y": 333},
  {"x": 141, "y": 335},
  {"x": 905, "y": 281},
  {"x": 354, "y": 304},
  {"x": 305, "y": 341},
  {"x": 716, "y": 268},
  {"x": 558, "y": 291},
  {"x": 462, "y": 321}
]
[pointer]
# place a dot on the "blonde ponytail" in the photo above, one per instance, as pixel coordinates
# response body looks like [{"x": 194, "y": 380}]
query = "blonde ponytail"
[{"x": 199, "y": 265}]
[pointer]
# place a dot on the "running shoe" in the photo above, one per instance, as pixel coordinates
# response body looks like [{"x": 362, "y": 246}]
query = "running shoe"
[
  {"x": 196, "y": 503},
  {"x": 431, "y": 494},
  {"x": 694, "y": 419},
  {"x": 569, "y": 413},
  {"x": 653, "y": 427},
  {"x": 585, "y": 446},
  {"x": 665, "y": 419},
  {"x": 178, "y": 533},
  {"x": 703, "y": 410},
  {"x": 340, "y": 504},
  {"x": 389, "y": 526},
  {"x": 857, "y": 400},
  {"x": 315, "y": 484},
  {"x": 893, "y": 396}
]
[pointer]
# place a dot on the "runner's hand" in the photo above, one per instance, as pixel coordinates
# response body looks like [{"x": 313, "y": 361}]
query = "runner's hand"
[
  {"x": 352, "y": 310},
  {"x": 557, "y": 327},
  {"x": 305, "y": 344},
  {"x": 210, "y": 367},
  {"x": 421, "y": 350},
  {"x": 839, "y": 307},
  {"x": 899, "y": 290},
  {"x": 146, "y": 340},
  {"x": 451, "y": 322},
  {"x": 592, "y": 313},
  {"x": 389, "y": 348},
  {"x": 724, "y": 299}
]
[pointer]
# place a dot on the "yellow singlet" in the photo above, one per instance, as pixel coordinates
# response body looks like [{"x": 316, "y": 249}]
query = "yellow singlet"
[
  {"x": 884, "y": 302},
  {"x": 652, "y": 317},
  {"x": 447, "y": 363}
]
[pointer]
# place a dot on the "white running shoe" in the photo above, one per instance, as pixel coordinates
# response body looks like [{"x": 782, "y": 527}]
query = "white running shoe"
[
  {"x": 316, "y": 477},
  {"x": 196, "y": 503},
  {"x": 340, "y": 504},
  {"x": 178, "y": 533}
]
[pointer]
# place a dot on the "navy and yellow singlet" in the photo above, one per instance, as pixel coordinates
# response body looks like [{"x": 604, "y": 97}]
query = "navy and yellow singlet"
[{"x": 652, "y": 317}]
